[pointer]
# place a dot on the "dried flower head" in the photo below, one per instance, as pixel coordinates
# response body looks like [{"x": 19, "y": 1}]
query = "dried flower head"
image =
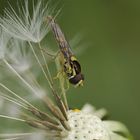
[{"x": 41, "y": 113}]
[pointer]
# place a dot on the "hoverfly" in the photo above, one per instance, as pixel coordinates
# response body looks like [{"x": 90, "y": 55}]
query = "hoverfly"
[{"x": 70, "y": 64}]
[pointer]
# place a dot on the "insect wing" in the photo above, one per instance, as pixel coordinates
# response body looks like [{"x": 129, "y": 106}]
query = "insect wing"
[{"x": 63, "y": 44}]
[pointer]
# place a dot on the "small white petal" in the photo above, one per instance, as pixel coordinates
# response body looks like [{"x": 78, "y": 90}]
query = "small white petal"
[
  {"x": 117, "y": 137},
  {"x": 88, "y": 108},
  {"x": 115, "y": 126}
]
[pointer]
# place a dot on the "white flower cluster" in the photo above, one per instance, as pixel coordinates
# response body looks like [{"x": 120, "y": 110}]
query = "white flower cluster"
[{"x": 86, "y": 127}]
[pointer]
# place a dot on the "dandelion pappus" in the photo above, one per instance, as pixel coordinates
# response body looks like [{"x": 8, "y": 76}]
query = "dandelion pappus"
[{"x": 69, "y": 62}]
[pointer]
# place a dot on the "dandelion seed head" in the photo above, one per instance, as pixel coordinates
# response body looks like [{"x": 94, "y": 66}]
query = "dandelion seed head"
[{"x": 25, "y": 25}]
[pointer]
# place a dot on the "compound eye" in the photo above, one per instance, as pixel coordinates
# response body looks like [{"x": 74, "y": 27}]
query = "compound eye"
[{"x": 76, "y": 66}]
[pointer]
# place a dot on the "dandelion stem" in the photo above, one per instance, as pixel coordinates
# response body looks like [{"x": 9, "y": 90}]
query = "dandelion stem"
[
  {"x": 20, "y": 77},
  {"x": 15, "y": 135},
  {"x": 38, "y": 61},
  {"x": 37, "y": 112},
  {"x": 32, "y": 77},
  {"x": 13, "y": 93},
  {"x": 30, "y": 107},
  {"x": 8, "y": 98},
  {"x": 16, "y": 138},
  {"x": 11, "y": 68},
  {"x": 43, "y": 116},
  {"x": 12, "y": 118},
  {"x": 51, "y": 81}
]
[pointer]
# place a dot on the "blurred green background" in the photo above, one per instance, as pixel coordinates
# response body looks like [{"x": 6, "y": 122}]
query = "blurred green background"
[{"x": 111, "y": 60}]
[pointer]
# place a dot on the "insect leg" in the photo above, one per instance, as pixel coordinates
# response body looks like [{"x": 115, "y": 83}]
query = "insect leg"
[{"x": 53, "y": 56}]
